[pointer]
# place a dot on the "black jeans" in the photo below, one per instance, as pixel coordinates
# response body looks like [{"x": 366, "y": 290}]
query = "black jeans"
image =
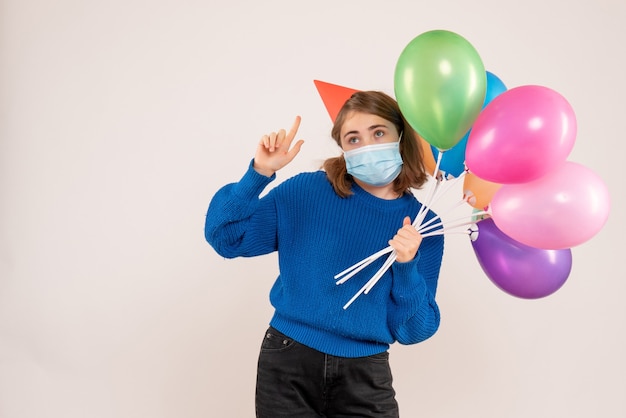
[{"x": 296, "y": 381}]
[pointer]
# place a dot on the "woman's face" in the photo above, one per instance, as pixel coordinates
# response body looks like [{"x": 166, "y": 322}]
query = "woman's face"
[{"x": 361, "y": 129}]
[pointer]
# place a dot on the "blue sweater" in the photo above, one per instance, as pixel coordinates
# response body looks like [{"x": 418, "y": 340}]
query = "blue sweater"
[{"x": 318, "y": 234}]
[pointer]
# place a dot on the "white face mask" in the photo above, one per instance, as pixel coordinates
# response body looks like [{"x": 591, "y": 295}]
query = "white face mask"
[{"x": 376, "y": 165}]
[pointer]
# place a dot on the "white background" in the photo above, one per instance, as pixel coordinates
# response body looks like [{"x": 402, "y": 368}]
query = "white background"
[{"x": 120, "y": 119}]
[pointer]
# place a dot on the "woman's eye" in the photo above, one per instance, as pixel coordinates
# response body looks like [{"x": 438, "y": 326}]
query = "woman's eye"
[
  {"x": 379, "y": 134},
  {"x": 353, "y": 140}
]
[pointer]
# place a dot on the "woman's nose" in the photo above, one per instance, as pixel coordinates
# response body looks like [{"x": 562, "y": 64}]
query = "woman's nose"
[{"x": 369, "y": 140}]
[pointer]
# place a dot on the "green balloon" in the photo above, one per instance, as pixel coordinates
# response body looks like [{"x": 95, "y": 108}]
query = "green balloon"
[{"x": 440, "y": 85}]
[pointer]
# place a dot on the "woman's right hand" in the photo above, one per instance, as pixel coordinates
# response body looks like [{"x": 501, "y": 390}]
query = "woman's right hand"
[
  {"x": 406, "y": 242},
  {"x": 273, "y": 151}
]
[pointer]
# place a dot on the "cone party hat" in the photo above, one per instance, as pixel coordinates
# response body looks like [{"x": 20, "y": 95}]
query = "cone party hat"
[{"x": 333, "y": 96}]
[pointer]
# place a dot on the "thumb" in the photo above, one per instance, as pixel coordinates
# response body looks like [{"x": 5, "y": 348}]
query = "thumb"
[
  {"x": 295, "y": 149},
  {"x": 407, "y": 221}
]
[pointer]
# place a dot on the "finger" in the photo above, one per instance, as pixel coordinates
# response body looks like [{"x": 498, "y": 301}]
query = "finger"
[
  {"x": 280, "y": 138},
  {"x": 408, "y": 231},
  {"x": 405, "y": 250},
  {"x": 407, "y": 221},
  {"x": 400, "y": 247},
  {"x": 408, "y": 237},
  {"x": 295, "y": 150},
  {"x": 265, "y": 140},
  {"x": 272, "y": 141},
  {"x": 404, "y": 240},
  {"x": 294, "y": 129}
]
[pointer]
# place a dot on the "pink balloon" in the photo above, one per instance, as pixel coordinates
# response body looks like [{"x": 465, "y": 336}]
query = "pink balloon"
[
  {"x": 562, "y": 209},
  {"x": 521, "y": 135}
]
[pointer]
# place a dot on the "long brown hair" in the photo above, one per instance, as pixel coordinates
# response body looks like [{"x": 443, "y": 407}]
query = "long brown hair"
[{"x": 377, "y": 103}]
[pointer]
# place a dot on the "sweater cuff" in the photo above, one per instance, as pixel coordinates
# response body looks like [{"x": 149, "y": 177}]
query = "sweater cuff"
[
  {"x": 408, "y": 285},
  {"x": 252, "y": 183}
]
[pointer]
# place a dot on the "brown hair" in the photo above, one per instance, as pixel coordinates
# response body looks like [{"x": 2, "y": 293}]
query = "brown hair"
[{"x": 377, "y": 103}]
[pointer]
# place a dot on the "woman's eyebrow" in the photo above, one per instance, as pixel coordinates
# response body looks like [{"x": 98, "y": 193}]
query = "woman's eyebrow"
[
  {"x": 350, "y": 133},
  {"x": 371, "y": 128}
]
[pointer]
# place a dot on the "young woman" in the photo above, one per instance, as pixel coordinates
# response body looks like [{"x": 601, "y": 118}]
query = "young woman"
[{"x": 318, "y": 359}]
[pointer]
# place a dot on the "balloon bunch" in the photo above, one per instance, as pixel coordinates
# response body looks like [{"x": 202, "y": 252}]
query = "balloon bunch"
[
  {"x": 510, "y": 149},
  {"x": 545, "y": 204}
]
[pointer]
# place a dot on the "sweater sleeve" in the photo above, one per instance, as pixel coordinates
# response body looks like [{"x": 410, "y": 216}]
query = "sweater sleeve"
[
  {"x": 238, "y": 222},
  {"x": 413, "y": 311}
]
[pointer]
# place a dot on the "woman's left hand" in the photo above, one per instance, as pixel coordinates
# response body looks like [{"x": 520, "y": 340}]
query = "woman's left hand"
[{"x": 406, "y": 242}]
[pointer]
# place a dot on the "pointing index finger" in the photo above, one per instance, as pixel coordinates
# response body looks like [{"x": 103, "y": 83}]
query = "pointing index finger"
[{"x": 294, "y": 129}]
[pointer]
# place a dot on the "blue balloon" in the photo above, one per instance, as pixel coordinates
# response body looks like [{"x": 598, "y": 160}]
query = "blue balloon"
[
  {"x": 453, "y": 159},
  {"x": 495, "y": 87}
]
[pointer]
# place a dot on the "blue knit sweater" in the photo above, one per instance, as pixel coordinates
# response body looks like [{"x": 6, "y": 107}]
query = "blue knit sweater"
[{"x": 318, "y": 234}]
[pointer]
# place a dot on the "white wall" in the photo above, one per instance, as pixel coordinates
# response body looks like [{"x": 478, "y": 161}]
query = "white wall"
[{"x": 121, "y": 118}]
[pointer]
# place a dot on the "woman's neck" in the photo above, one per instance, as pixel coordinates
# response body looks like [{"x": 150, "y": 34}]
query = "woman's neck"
[{"x": 382, "y": 192}]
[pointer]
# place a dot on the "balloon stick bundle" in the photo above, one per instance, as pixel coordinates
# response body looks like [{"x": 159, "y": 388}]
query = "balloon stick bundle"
[{"x": 432, "y": 227}]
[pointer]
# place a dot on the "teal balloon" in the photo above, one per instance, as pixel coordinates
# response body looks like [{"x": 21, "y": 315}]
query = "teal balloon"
[{"x": 440, "y": 86}]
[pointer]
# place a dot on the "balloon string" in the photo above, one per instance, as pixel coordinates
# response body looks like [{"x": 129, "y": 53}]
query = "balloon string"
[
  {"x": 390, "y": 260},
  {"x": 444, "y": 186},
  {"x": 448, "y": 184},
  {"x": 446, "y": 232},
  {"x": 439, "y": 216},
  {"x": 426, "y": 227},
  {"x": 421, "y": 213},
  {"x": 446, "y": 228},
  {"x": 353, "y": 270},
  {"x": 371, "y": 282}
]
